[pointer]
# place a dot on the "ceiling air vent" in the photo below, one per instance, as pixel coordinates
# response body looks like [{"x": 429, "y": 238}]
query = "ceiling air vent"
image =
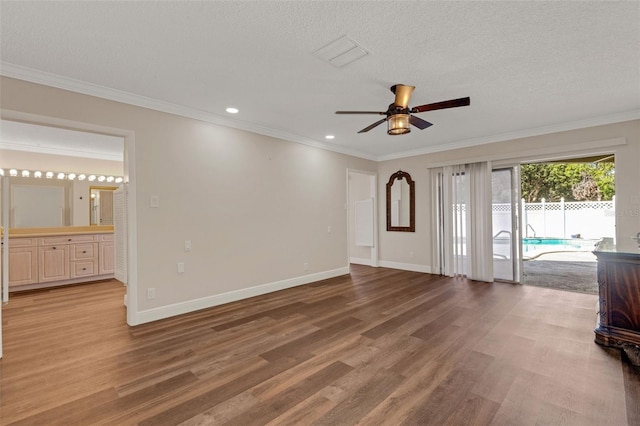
[{"x": 341, "y": 52}]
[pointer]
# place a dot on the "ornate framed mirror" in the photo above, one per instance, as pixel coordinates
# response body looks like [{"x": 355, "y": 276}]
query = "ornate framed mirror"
[{"x": 401, "y": 205}]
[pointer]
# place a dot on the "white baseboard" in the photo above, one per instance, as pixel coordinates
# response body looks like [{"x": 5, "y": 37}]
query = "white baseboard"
[
  {"x": 232, "y": 296},
  {"x": 406, "y": 266},
  {"x": 359, "y": 261}
]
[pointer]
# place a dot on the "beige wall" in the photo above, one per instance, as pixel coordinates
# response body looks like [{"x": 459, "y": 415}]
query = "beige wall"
[
  {"x": 254, "y": 207},
  {"x": 623, "y": 139},
  {"x": 409, "y": 249}
]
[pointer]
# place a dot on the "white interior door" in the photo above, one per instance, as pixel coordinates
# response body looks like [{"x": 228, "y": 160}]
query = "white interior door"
[
  {"x": 362, "y": 217},
  {"x": 507, "y": 258}
]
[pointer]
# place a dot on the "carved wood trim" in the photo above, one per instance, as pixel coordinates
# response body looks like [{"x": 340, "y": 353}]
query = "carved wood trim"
[{"x": 399, "y": 175}]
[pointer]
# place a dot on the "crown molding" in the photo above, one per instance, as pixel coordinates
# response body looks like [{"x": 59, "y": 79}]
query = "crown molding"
[
  {"x": 40, "y": 77},
  {"x": 545, "y": 130},
  {"x": 35, "y": 76}
]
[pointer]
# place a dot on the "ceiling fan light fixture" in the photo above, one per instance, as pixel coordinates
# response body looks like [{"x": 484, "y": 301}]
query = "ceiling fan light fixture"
[{"x": 398, "y": 124}]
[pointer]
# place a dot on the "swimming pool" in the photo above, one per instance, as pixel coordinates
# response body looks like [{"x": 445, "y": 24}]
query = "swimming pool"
[{"x": 535, "y": 246}]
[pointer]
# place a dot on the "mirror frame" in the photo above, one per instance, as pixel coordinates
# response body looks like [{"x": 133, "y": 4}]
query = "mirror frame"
[{"x": 399, "y": 175}]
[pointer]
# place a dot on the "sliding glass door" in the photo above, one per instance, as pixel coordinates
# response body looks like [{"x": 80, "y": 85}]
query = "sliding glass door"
[{"x": 507, "y": 259}]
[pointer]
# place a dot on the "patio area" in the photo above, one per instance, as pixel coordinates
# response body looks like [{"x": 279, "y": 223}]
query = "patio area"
[{"x": 570, "y": 271}]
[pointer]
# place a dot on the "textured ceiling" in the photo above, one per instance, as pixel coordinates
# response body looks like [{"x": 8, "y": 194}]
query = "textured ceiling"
[{"x": 527, "y": 66}]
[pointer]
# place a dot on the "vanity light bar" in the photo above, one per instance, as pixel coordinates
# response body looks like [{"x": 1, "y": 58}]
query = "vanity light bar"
[{"x": 60, "y": 175}]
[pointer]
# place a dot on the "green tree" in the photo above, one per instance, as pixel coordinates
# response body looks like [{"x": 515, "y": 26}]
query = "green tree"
[{"x": 553, "y": 181}]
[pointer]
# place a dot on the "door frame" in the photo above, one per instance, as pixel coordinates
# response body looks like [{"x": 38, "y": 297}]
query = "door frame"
[
  {"x": 516, "y": 223},
  {"x": 373, "y": 193},
  {"x": 129, "y": 174}
]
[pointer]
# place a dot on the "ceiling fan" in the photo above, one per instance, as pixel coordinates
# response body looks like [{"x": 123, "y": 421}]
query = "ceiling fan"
[{"x": 398, "y": 115}]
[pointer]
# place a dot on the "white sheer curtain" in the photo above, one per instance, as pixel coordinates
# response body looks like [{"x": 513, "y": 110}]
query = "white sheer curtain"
[{"x": 462, "y": 213}]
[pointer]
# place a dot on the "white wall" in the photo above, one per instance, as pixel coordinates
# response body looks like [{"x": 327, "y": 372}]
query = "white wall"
[
  {"x": 255, "y": 208},
  {"x": 623, "y": 139}
]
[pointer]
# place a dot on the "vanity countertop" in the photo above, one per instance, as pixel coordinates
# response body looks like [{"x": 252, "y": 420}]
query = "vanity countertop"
[{"x": 65, "y": 230}]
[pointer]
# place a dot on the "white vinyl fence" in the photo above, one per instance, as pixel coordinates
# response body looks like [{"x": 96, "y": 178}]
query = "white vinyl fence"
[{"x": 583, "y": 219}]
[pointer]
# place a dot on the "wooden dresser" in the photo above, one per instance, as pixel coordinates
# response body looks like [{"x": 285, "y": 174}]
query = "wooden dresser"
[
  {"x": 619, "y": 291},
  {"x": 45, "y": 257}
]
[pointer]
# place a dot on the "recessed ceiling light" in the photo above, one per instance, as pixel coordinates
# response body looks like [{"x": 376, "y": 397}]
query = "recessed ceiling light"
[
  {"x": 232, "y": 110},
  {"x": 329, "y": 137}
]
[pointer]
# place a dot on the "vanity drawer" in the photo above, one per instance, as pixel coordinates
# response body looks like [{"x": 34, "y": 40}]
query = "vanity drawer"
[
  {"x": 83, "y": 268},
  {"x": 23, "y": 242},
  {"x": 67, "y": 239},
  {"x": 106, "y": 237},
  {"x": 84, "y": 251}
]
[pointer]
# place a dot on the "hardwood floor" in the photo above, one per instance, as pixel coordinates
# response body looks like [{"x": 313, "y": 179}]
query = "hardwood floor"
[{"x": 381, "y": 346}]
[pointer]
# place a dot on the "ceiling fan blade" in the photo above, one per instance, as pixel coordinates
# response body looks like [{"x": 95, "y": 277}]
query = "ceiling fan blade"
[
  {"x": 442, "y": 105},
  {"x": 377, "y": 123},
  {"x": 361, "y": 112},
  {"x": 403, "y": 94},
  {"x": 419, "y": 122}
]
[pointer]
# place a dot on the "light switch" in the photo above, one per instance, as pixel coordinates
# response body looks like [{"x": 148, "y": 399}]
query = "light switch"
[
  {"x": 187, "y": 245},
  {"x": 154, "y": 201},
  {"x": 180, "y": 267}
]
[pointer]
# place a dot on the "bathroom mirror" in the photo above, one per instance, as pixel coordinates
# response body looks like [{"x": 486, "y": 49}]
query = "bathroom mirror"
[
  {"x": 401, "y": 203},
  {"x": 101, "y": 205}
]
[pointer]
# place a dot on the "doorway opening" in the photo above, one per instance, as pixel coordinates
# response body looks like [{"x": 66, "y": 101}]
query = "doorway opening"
[
  {"x": 45, "y": 153},
  {"x": 567, "y": 207}
]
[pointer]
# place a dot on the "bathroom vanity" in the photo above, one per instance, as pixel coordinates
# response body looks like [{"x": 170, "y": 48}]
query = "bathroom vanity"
[{"x": 46, "y": 257}]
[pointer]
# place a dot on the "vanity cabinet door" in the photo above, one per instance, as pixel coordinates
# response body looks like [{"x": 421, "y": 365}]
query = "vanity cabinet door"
[
  {"x": 23, "y": 266},
  {"x": 107, "y": 257},
  {"x": 53, "y": 263}
]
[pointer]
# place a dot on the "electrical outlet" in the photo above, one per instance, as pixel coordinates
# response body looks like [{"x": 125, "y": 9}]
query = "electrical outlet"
[
  {"x": 328, "y": 229},
  {"x": 305, "y": 266},
  {"x": 151, "y": 293},
  {"x": 180, "y": 267}
]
